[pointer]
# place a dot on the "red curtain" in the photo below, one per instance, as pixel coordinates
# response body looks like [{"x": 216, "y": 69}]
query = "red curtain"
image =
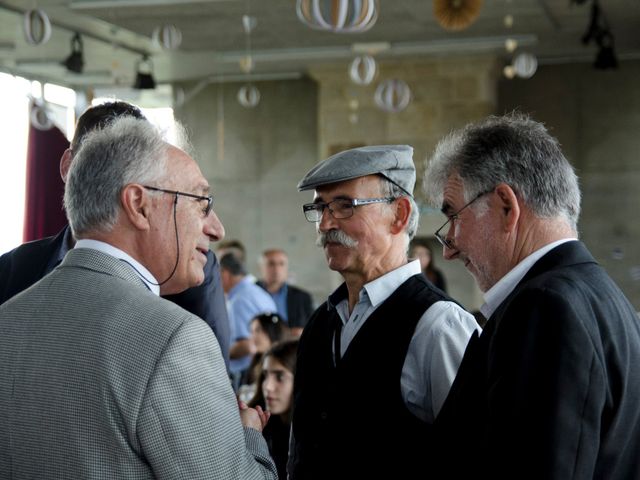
[{"x": 44, "y": 214}]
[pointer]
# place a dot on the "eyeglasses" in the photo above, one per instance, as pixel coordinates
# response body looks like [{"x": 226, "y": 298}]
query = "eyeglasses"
[
  {"x": 339, "y": 208},
  {"x": 209, "y": 198},
  {"x": 444, "y": 241}
]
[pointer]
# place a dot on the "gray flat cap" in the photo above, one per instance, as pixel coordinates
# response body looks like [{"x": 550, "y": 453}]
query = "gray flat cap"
[{"x": 395, "y": 162}]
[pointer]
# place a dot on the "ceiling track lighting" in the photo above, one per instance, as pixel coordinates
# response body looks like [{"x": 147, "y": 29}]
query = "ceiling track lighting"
[
  {"x": 75, "y": 61},
  {"x": 144, "y": 74},
  {"x": 338, "y": 16},
  {"x": 598, "y": 31}
]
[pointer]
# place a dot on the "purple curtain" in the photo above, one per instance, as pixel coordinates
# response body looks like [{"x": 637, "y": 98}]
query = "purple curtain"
[{"x": 44, "y": 215}]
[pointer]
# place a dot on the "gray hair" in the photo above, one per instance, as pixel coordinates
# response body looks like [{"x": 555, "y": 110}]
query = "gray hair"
[
  {"x": 390, "y": 189},
  {"x": 511, "y": 149},
  {"x": 126, "y": 151}
]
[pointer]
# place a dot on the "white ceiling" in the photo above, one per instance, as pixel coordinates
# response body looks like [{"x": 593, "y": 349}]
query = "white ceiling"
[{"x": 116, "y": 32}]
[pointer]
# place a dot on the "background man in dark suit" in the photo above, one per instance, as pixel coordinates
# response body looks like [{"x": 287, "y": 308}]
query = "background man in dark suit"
[
  {"x": 551, "y": 388},
  {"x": 28, "y": 263},
  {"x": 293, "y": 303}
]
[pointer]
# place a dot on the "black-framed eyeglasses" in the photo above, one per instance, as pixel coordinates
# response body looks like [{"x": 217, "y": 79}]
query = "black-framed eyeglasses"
[
  {"x": 444, "y": 241},
  {"x": 208, "y": 198},
  {"x": 339, "y": 208}
]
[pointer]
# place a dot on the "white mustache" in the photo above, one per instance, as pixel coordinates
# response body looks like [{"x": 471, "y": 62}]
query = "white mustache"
[{"x": 336, "y": 236}]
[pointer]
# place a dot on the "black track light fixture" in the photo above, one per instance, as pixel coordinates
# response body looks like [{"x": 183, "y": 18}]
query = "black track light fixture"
[
  {"x": 75, "y": 61},
  {"x": 144, "y": 74}
]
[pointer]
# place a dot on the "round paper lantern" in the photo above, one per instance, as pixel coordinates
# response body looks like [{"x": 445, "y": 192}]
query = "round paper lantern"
[
  {"x": 363, "y": 69},
  {"x": 40, "y": 118},
  {"x": 340, "y": 16},
  {"x": 249, "y": 96},
  {"x": 525, "y": 65},
  {"x": 456, "y": 14},
  {"x": 249, "y": 23},
  {"x": 37, "y": 27},
  {"x": 167, "y": 37},
  {"x": 393, "y": 95}
]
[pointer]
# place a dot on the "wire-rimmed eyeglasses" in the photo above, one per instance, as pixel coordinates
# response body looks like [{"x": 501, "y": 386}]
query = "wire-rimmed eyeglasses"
[
  {"x": 339, "y": 208},
  {"x": 208, "y": 198},
  {"x": 444, "y": 241}
]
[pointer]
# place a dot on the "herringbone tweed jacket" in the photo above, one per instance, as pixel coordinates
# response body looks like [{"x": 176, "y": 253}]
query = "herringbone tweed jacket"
[{"x": 102, "y": 379}]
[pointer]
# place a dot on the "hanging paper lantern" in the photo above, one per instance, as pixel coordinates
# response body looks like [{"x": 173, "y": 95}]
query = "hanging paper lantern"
[
  {"x": 393, "y": 95},
  {"x": 363, "y": 69},
  {"x": 249, "y": 96},
  {"x": 525, "y": 65},
  {"x": 40, "y": 117},
  {"x": 456, "y": 14},
  {"x": 37, "y": 27},
  {"x": 340, "y": 16},
  {"x": 249, "y": 23},
  {"x": 167, "y": 37}
]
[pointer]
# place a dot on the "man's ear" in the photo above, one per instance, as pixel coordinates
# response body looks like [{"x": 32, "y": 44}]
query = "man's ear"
[
  {"x": 65, "y": 164},
  {"x": 136, "y": 205},
  {"x": 402, "y": 213},
  {"x": 509, "y": 205}
]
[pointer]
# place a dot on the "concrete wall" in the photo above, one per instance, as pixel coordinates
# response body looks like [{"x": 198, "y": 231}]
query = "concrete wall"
[
  {"x": 596, "y": 117},
  {"x": 253, "y": 159}
]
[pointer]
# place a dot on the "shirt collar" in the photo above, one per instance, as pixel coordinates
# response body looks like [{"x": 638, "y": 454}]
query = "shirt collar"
[
  {"x": 144, "y": 274},
  {"x": 381, "y": 288},
  {"x": 501, "y": 290}
]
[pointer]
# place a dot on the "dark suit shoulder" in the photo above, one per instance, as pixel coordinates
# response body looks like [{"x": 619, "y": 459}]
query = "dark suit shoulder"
[{"x": 26, "y": 264}]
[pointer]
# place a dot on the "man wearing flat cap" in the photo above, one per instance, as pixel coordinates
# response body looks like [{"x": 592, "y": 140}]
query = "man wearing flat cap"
[{"x": 377, "y": 359}]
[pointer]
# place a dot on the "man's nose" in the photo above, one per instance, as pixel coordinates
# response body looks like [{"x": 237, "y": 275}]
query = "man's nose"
[
  {"x": 327, "y": 222},
  {"x": 213, "y": 227}
]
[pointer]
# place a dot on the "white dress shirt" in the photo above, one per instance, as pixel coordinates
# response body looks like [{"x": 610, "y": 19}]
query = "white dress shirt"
[
  {"x": 501, "y": 290},
  {"x": 146, "y": 276},
  {"x": 436, "y": 348}
]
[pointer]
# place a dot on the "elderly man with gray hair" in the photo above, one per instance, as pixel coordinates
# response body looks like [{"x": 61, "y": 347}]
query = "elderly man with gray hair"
[
  {"x": 376, "y": 360},
  {"x": 99, "y": 376},
  {"x": 551, "y": 388}
]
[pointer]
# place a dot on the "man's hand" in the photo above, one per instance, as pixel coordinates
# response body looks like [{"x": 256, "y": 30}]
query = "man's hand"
[{"x": 253, "y": 417}]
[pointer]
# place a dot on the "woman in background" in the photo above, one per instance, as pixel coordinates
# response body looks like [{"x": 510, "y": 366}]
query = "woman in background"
[
  {"x": 275, "y": 394},
  {"x": 420, "y": 250},
  {"x": 266, "y": 329}
]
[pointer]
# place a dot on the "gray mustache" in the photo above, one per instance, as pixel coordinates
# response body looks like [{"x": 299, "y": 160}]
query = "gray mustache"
[{"x": 336, "y": 236}]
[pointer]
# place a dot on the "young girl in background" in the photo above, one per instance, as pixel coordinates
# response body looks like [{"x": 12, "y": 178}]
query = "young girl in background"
[{"x": 275, "y": 394}]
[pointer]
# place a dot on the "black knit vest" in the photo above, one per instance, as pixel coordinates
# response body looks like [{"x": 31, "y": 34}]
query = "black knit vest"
[{"x": 350, "y": 420}]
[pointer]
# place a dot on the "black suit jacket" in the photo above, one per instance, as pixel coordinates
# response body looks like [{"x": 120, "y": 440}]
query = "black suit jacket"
[
  {"x": 551, "y": 389},
  {"x": 299, "y": 305},
  {"x": 25, "y": 265}
]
